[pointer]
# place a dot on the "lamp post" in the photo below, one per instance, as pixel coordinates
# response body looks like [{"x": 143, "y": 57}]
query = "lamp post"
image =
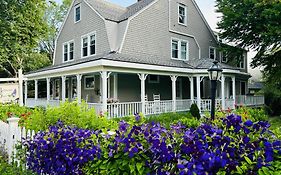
[{"x": 215, "y": 72}]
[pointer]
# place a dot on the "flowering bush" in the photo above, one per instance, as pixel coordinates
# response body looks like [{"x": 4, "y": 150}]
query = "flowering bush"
[
  {"x": 225, "y": 146},
  {"x": 61, "y": 150}
]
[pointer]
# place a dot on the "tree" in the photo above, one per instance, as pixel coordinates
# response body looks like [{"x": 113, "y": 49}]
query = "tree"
[
  {"x": 54, "y": 16},
  {"x": 22, "y": 26},
  {"x": 255, "y": 24}
]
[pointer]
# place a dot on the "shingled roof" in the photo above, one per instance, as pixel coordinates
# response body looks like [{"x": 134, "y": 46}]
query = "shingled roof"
[{"x": 115, "y": 12}]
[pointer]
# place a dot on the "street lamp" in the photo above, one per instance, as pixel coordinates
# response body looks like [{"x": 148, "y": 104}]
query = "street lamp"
[{"x": 215, "y": 72}]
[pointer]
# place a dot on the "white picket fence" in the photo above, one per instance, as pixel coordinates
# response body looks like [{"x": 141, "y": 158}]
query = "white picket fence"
[{"x": 11, "y": 134}]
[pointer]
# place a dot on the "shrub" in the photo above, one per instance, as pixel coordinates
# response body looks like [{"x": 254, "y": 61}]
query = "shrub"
[
  {"x": 254, "y": 114},
  {"x": 61, "y": 150},
  {"x": 194, "y": 110},
  {"x": 7, "y": 110},
  {"x": 224, "y": 146}
]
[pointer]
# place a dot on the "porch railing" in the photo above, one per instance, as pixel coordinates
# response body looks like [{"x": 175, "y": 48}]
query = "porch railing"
[
  {"x": 183, "y": 105},
  {"x": 158, "y": 107},
  {"x": 246, "y": 100},
  {"x": 96, "y": 106},
  {"x": 206, "y": 104},
  {"x": 123, "y": 109}
]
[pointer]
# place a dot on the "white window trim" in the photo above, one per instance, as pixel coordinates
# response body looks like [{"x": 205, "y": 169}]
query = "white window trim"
[
  {"x": 185, "y": 10},
  {"x": 75, "y": 7},
  {"x": 152, "y": 81},
  {"x": 88, "y": 46},
  {"x": 179, "y": 49},
  {"x": 215, "y": 54},
  {"x": 89, "y": 76},
  {"x": 68, "y": 51},
  {"x": 221, "y": 58}
]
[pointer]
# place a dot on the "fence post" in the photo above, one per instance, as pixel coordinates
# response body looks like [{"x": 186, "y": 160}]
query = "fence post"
[
  {"x": 20, "y": 87},
  {"x": 13, "y": 136}
]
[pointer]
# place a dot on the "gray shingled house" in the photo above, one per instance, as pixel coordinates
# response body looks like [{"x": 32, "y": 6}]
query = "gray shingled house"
[{"x": 150, "y": 57}]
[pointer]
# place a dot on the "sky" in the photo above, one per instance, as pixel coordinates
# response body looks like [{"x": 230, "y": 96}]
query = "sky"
[{"x": 208, "y": 9}]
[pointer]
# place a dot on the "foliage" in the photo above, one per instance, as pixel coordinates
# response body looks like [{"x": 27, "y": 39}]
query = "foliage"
[
  {"x": 21, "y": 26},
  {"x": 254, "y": 114},
  {"x": 8, "y": 110},
  {"x": 11, "y": 169},
  {"x": 71, "y": 113},
  {"x": 61, "y": 150},
  {"x": 194, "y": 110},
  {"x": 54, "y": 16},
  {"x": 224, "y": 146},
  {"x": 255, "y": 24},
  {"x": 272, "y": 99}
]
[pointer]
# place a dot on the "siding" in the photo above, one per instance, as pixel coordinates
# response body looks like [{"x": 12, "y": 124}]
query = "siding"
[
  {"x": 149, "y": 31},
  {"x": 90, "y": 22}
]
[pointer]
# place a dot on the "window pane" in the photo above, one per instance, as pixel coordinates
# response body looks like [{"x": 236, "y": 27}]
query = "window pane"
[
  {"x": 175, "y": 49},
  {"x": 65, "y": 51},
  {"x": 77, "y": 14},
  {"x": 85, "y": 47},
  {"x": 182, "y": 14},
  {"x": 183, "y": 50},
  {"x": 71, "y": 51},
  {"x": 93, "y": 44},
  {"x": 212, "y": 53}
]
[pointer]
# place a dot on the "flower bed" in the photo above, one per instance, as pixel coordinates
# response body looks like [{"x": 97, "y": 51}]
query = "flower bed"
[{"x": 226, "y": 146}]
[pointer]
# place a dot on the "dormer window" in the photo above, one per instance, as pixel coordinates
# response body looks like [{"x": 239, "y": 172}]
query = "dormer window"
[
  {"x": 212, "y": 53},
  {"x": 68, "y": 51},
  {"x": 88, "y": 44},
  {"x": 223, "y": 57},
  {"x": 182, "y": 15},
  {"x": 179, "y": 49},
  {"x": 241, "y": 63},
  {"x": 77, "y": 13}
]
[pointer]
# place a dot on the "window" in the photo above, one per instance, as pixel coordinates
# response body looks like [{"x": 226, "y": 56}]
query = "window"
[
  {"x": 93, "y": 44},
  {"x": 183, "y": 50},
  {"x": 89, "y": 82},
  {"x": 153, "y": 79},
  {"x": 182, "y": 14},
  {"x": 179, "y": 49},
  {"x": 212, "y": 53},
  {"x": 241, "y": 63},
  {"x": 65, "y": 52},
  {"x": 77, "y": 13},
  {"x": 68, "y": 51},
  {"x": 85, "y": 47},
  {"x": 175, "y": 49},
  {"x": 89, "y": 45},
  {"x": 71, "y": 51},
  {"x": 223, "y": 57}
]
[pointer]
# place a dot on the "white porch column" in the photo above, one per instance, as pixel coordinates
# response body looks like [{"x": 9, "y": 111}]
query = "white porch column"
[
  {"x": 36, "y": 89},
  {"x": 142, "y": 77},
  {"x": 63, "y": 87},
  {"x": 48, "y": 89},
  {"x": 233, "y": 91},
  {"x": 25, "y": 91},
  {"x": 174, "y": 91},
  {"x": 115, "y": 84},
  {"x": 20, "y": 87},
  {"x": 223, "y": 92},
  {"x": 79, "y": 88},
  {"x": 104, "y": 77},
  {"x": 191, "y": 89},
  {"x": 198, "y": 84}
]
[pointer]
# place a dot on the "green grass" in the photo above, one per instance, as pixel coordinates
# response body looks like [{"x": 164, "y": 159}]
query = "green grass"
[{"x": 275, "y": 122}]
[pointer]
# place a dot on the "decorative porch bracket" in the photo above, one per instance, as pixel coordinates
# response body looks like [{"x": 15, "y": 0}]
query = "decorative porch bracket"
[
  {"x": 174, "y": 91},
  {"x": 143, "y": 77}
]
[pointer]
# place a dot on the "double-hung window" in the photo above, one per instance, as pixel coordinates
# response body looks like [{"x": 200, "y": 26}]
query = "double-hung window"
[
  {"x": 68, "y": 51},
  {"x": 223, "y": 57},
  {"x": 179, "y": 49},
  {"x": 89, "y": 45},
  {"x": 212, "y": 53},
  {"x": 182, "y": 14},
  {"x": 77, "y": 13},
  {"x": 241, "y": 63}
]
